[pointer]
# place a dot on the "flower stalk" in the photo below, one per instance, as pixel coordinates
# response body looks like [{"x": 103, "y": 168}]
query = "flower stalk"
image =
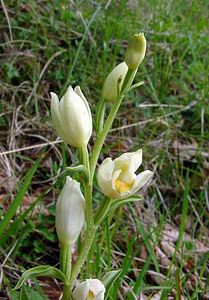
[
  {"x": 65, "y": 266},
  {"x": 108, "y": 124}
]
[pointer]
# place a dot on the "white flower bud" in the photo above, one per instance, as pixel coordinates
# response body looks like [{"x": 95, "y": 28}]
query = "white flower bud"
[
  {"x": 72, "y": 117},
  {"x": 70, "y": 212},
  {"x": 114, "y": 82},
  {"x": 117, "y": 178},
  {"x": 135, "y": 52},
  {"x": 91, "y": 289}
]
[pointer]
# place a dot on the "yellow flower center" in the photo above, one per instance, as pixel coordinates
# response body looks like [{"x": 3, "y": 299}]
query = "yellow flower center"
[
  {"x": 122, "y": 186},
  {"x": 90, "y": 295}
]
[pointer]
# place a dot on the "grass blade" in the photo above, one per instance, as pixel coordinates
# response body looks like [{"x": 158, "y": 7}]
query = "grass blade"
[
  {"x": 15, "y": 226},
  {"x": 138, "y": 284},
  {"x": 19, "y": 198}
]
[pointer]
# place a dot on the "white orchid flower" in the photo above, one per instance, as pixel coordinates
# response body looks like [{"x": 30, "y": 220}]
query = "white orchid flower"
[
  {"x": 70, "y": 212},
  {"x": 71, "y": 117},
  {"x": 117, "y": 178},
  {"x": 91, "y": 289}
]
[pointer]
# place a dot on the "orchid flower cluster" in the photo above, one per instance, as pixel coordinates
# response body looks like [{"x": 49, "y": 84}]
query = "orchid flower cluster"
[{"x": 117, "y": 179}]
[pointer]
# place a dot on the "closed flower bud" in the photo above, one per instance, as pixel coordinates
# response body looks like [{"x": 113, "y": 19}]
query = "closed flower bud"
[
  {"x": 71, "y": 117},
  {"x": 91, "y": 289},
  {"x": 70, "y": 212},
  {"x": 135, "y": 52},
  {"x": 117, "y": 178},
  {"x": 113, "y": 82}
]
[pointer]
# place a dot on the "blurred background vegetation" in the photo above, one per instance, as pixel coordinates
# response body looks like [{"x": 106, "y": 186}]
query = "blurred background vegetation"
[{"x": 44, "y": 47}]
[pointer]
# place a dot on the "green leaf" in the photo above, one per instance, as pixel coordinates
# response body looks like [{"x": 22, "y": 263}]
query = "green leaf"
[
  {"x": 26, "y": 230},
  {"x": 79, "y": 169},
  {"x": 111, "y": 204},
  {"x": 126, "y": 265},
  {"x": 19, "y": 198},
  {"x": 103, "y": 211},
  {"x": 40, "y": 271},
  {"x": 135, "y": 85},
  {"x": 13, "y": 294},
  {"x": 109, "y": 279},
  {"x": 118, "y": 202},
  {"x": 139, "y": 281},
  {"x": 28, "y": 293},
  {"x": 146, "y": 239},
  {"x": 16, "y": 226}
]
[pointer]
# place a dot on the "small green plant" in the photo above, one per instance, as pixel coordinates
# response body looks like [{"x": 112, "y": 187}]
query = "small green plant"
[{"x": 116, "y": 178}]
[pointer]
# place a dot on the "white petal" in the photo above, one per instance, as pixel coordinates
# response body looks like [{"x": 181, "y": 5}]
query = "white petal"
[
  {"x": 78, "y": 91},
  {"x": 100, "y": 296},
  {"x": 72, "y": 117},
  {"x": 70, "y": 212},
  {"x": 116, "y": 174},
  {"x": 128, "y": 175},
  {"x": 132, "y": 158},
  {"x": 76, "y": 116},
  {"x": 54, "y": 99},
  {"x": 127, "y": 169},
  {"x": 106, "y": 169},
  {"x": 70, "y": 111},
  {"x": 81, "y": 292},
  {"x": 105, "y": 177},
  {"x": 141, "y": 180},
  {"x": 56, "y": 119},
  {"x": 96, "y": 286},
  {"x": 117, "y": 194}
]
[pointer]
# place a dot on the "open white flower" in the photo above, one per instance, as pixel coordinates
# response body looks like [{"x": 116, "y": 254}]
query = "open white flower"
[
  {"x": 71, "y": 117},
  {"x": 114, "y": 81},
  {"x": 70, "y": 212},
  {"x": 91, "y": 289},
  {"x": 117, "y": 178}
]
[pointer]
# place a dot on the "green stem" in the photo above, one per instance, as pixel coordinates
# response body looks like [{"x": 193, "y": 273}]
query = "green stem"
[
  {"x": 88, "y": 191},
  {"x": 66, "y": 292},
  {"x": 91, "y": 166},
  {"x": 102, "y": 135},
  {"x": 90, "y": 233},
  {"x": 65, "y": 266},
  {"x": 102, "y": 211},
  {"x": 100, "y": 116},
  {"x": 83, "y": 254}
]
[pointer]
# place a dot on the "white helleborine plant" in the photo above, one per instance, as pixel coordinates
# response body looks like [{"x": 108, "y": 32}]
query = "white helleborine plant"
[
  {"x": 114, "y": 82},
  {"x": 117, "y": 178},
  {"x": 91, "y": 289},
  {"x": 71, "y": 117},
  {"x": 70, "y": 212}
]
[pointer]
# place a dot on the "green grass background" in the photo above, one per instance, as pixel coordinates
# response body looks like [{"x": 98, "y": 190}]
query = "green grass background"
[{"x": 47, "y": 45}]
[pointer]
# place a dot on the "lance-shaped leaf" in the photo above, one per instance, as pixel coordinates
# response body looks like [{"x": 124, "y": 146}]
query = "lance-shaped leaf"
[
  {"x": 28, "y": 293},
  {"x": 40, "y": 271},
  {"x": 109, "y": 279},
  {"x": 118, "y": 202},
  {"x": 135, "y": 85},
  {"x": 103, "y": 211}
]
